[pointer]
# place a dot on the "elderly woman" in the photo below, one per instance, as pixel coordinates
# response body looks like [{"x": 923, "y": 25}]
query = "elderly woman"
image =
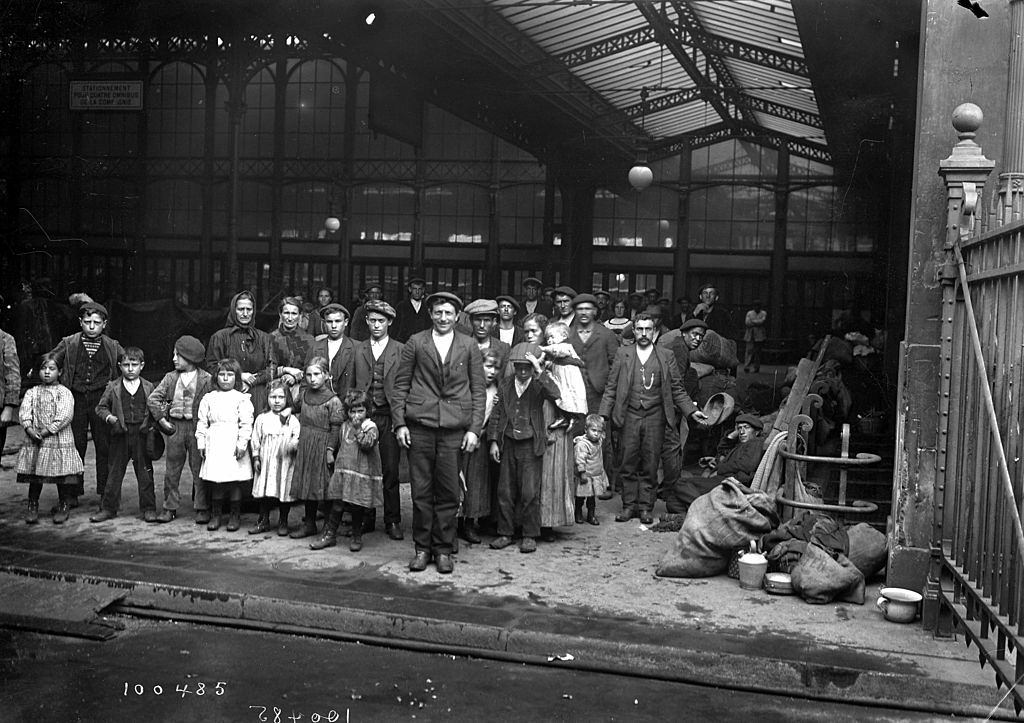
[
  {"x": 557, "y": 481},
  {"x": 291, "y": 343},
  {"x": 252, "y": 348}
]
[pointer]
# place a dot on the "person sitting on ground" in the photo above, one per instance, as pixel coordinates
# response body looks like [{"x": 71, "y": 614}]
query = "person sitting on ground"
[
  {"x": 565, "y": 366},
  {"x": 738, "y": 457}
]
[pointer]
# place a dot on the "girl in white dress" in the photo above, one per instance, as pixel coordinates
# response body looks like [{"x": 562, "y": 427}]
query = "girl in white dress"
[
  {"x": 275, "y": 437},
  {"x": 223, "y": 430}
]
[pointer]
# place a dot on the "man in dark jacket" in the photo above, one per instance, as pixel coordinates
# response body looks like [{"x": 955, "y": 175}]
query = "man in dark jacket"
[
  {"x": 411, "y": 315},
  {"x": 438, "y": 413},
  {"x": 337, "y": 349}
]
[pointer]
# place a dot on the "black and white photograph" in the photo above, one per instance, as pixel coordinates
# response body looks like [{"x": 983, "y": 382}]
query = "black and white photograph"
[{"x": 511, "y": 360}]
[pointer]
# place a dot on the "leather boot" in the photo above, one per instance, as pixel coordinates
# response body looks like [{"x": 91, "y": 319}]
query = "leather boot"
[
  {"x": 329, "y": 537},
  {"x": 235, "y": 520},
  {"x": 579, "y": 510},
  {"x": 216, "y": 508},
  {"x": 282, "y": 519},
  {"x": 32, "y": 512},
  {"x": 262, "y": 525}
]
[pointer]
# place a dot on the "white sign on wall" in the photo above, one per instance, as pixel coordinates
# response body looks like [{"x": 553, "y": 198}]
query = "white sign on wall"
[{"x": 106, "y": 95}]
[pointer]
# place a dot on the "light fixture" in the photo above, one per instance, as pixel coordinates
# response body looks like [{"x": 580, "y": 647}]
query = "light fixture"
[
  {"x": 640, "y": 175},
  {"x": 332, "y": 223}
]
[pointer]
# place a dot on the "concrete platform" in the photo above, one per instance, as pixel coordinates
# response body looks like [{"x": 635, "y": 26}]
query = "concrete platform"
[{"x": 591, "y": 595}]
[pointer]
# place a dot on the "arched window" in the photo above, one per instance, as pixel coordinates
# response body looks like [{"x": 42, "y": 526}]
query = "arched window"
[
  {"x": 314, "y": 114},
  {"x": 176, "y": 107},
  {"x": 45, "y": 118},
  {"x": 257, "y": 131}
]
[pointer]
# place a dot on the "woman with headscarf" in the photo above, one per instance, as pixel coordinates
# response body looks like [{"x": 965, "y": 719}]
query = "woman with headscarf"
[
  {"x": 291, "y": 343},
  {"x": 252, "y": 348}
]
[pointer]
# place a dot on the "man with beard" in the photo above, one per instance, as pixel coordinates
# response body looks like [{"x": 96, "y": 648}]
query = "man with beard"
[{"x": 641, "y": 397}]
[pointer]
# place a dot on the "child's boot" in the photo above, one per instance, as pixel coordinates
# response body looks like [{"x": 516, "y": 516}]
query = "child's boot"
[
  {"x": 329, "y": 537},
  {"x": 579, "y": 510},
  {"x": 32, "y": 512},
  {"x": 356, "y": 543},
  {"x": 60, "y": 516},
  {"x": 263, "y": 521},
  {"x": 282, "y": 519},
  {"x": 235, "y": 520},
  {"x": 592, "y": 512},
  {"x": 216, "y": 508}
]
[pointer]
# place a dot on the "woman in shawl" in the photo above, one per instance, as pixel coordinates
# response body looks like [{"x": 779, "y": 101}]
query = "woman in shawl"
[
  {"x": 252, "y": 348},
  {"x": 291, "y": 343}
]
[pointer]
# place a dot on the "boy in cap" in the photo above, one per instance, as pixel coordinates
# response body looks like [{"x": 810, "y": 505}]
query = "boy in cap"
[
  {"x": 358, "y": 331},
  {"x": 174, "y": 404},
  {"x": 533, "y": 301},
  {"x": 518, "y": 437},
  {"x": 88, "y": 362},
  {"x": 336, "y": 348},
  {"x": 412, "y": 314}
]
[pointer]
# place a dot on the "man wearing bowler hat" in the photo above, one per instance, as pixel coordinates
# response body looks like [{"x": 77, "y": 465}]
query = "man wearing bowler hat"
[
  {"x": 533, "y": 302},
  {"x": 336, "y": 348},
  {"x": 438, "y": 414},
  {"x": 374, "y": 371}
]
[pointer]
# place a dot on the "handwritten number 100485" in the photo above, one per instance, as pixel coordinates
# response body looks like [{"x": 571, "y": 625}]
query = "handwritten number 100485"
[{"x": 182, "y": 688}]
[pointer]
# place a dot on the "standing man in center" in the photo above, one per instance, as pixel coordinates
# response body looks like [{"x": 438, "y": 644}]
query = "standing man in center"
[
  {"x": 438, "y": 413},
  {"x": 336, "y": 348},
  {"x": 376, "y": 367},
  {"x": 643, "y": 392}
]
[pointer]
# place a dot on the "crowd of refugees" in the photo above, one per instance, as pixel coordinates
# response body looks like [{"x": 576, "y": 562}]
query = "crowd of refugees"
[{"x": 515, "y": 413}]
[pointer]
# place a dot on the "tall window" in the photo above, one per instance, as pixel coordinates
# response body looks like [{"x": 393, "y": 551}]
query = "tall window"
[
  {"x": 647, "y": 219},
  {"x": 257, "y": 131},
  {"x": 45, "y": 118},
  {"x": 304, "y": 206},
  {"x": 382, "y": 212},
  {"x": 177, "y": 109},
  {"x": 174, "y": 209},
  {"x": 315, "y": 110},
  {"x": 521, "y": 215},
  {"x": 829, "y": 219},
  {"x": 455, "y": 214}
]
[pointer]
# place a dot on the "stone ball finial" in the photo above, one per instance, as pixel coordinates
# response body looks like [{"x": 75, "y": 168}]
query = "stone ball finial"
[{"x": 967, "y": 118}]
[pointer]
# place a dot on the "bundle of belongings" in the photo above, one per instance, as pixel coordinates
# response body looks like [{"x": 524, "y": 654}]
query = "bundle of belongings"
[{"x": 826, "y": 560}]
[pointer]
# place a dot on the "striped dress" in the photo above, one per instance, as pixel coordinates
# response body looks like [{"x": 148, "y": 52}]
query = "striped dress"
[
  {"x": 274, "y": 443},
  {"x": 48, "y": 408}
]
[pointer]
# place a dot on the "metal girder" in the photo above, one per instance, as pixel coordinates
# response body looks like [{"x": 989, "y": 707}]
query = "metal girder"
[
  {"x": 611, "y": 46},
  {"x": 779, "y": 110},
  {"x": 665, "y": 32},
  {"x": 717, "y": 132},
  {"x": 663, "y": 102}
]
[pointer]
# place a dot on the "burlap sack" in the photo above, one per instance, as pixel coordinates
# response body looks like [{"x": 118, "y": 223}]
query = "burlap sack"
[
  {"x": 717, "y": 351},
  {"x": 819, "y": 579},
  {"x": 716, "y": 524},
  {"x": 868, "y": 549}
]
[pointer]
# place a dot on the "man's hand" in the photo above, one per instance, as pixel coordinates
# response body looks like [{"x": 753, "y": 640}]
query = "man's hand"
[
  {"x": 166, "y": 425},
  {"x": 111, "y": 420},
  {"x": 239, "y": 451},
  {"x": 402, "y": 433},
  {"x": 495, "y": 452},
  {"x": 7, "y": 415},
  {"x": 256, "y": 464},
  {"x": 248, "y": 379},
  {"x": 538, "y": 365},
  {"x": 202, "y": 453},
  {"x": 469, "y": 442},
  {"x": 700, "y": 418}
]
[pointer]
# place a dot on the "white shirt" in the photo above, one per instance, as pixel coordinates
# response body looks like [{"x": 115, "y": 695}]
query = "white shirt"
[
  {"x": 530, "y": 306},
  {"x": 416, "y": 304},
  {"x": 492, "y": 396},
  {"x": 506, "y": 335},
  {"x": 443, "y": 343},
  {"x": 332, "y": 349},
  {"x": 377, "y": 347},
  {"x": 187, "y": 377},
  {"x": 521, "y": 387},
  {"x": 131, "y": 386},
  {"x": 644, "y": 354}
]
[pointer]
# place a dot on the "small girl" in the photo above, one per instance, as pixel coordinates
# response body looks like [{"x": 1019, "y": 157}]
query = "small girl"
[
  {"x": 320, "y": 415},
  {"x": 591, "y": 478},
  {"x": 565, "y": 366},
  {"x": 478, "y": 470},
  {"x": 275, "y": 437},
  {"x": 357, "y": 481},
  {"x": 223, "y": 429},
  {"x": 48, "y": 454}
]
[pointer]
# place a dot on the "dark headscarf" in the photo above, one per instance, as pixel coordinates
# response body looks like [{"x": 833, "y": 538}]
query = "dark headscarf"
[{"x": 250, "y": 328}]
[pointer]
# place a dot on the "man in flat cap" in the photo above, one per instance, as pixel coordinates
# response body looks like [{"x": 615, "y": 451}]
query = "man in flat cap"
[
  {"x": 738, "y": 457},
  {"x": 336, "y": 348},
  {"x": 374, "y": 372},
  {"x": 411, "y": 315},
  {"x": 438, "y": 414},
  {"x": 357, "y": 329},
  {"x": 563, "y": 309},
  {"x": 713, "y": 312},
  {"x": 507, "y": 329},
  {"x": 483, "y": 317},
  {"x": 88, "y": 361},
  {"x": 533, "y": 301},
  {"x": 604, "y": 305}
]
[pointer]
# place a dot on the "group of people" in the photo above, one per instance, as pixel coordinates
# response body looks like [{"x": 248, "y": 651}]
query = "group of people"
[{"x": 506, "y": 408}]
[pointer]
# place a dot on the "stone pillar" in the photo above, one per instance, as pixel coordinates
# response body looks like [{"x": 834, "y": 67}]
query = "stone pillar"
[{"x": 1011, "y": 178}]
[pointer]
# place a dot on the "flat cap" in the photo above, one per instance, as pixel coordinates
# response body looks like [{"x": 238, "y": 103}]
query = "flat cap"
[
  {"x": 91, "y": 307},
  {"x": 190, "y": 349},
  {"x": 381, "y": 307},
  {"x": 707, "y": 285},
  {"x": 532, "y": 281},
  {"x": 584, "y": 299},
  {"x": 509, "y": 299},
  {"x": 444, "y": 297},
  {"x": 635, "y": 294},
  {"x": 520, "y": 350},
  {"x": 332, "y": 308},
  {"x": 602, "y": 292},
  {"x": 416, "y": 280},
  {"x": 751, "y": 419},
  {"x": 565, "y": 290},
  {"x": 654, "y": 291},
  {"x": 482, "y": 307},
  {"x": 373, "y": 285},
  {"x": 693, "y": 324}
]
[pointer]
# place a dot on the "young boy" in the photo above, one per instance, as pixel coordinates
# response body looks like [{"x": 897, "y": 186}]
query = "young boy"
[
  {"x": 123, "y": 408},
  {"x": 88, "y": 361},
  {"x": 518, "y": 437},
  {"x": 174, "y": 404}
]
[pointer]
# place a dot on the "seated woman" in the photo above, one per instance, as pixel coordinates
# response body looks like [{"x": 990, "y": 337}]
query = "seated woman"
[{"x": 738, "y": 457}]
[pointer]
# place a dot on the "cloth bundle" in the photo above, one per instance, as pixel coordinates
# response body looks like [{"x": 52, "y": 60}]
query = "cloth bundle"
[{"x": 717, "y": 351}]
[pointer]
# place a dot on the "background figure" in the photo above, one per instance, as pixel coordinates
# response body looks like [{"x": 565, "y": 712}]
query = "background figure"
[
  {"x": 252, "y": 348},
  {"x": 754, "y": 336}
]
